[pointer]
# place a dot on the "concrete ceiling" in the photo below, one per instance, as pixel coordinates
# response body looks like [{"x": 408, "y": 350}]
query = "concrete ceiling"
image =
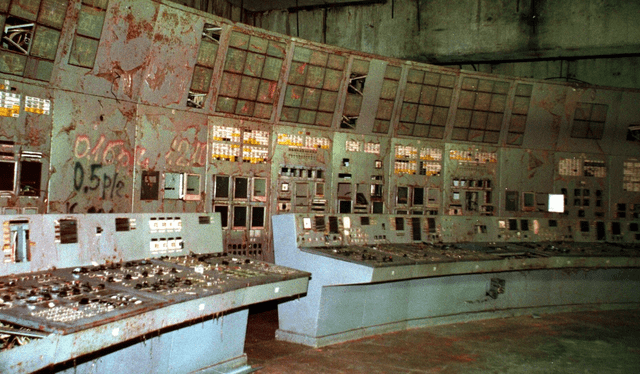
[{"x": 292, "y": 5}]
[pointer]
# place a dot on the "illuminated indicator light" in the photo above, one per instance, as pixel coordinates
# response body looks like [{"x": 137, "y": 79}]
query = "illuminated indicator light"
[{"x": 9, "y": 104}]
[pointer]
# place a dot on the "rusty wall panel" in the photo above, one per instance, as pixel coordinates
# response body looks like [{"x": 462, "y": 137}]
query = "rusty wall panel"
[
  {"x": 545, "y": 117},
  {"x": 578, "y": 98},
  {"x": 122, "y": 56},
  {"x": 171, "y": 58},
  {"x": 169, "y": 141},
  {"x": 93, "y": 154}
]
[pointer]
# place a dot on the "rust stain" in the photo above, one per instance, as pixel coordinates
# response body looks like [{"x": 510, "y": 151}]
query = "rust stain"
[
  {"x": 156, "y": 79},
  {"x": 121, "y": 78},
  {"x": 35, "y": 137},
  {"x": 136, "y": 30},
  {"x": 464, "y": 358},
  {"x": 301, "y": 68}
]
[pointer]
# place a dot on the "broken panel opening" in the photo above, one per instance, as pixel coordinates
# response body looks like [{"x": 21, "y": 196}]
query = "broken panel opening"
[
  {"x": 376, "y": 191},
  {"x": 362, "y": 194},
  {"x": 402, "y": 195},
  {"x": 399, "y": 223},
  {"x": 241, "y": 188},
  {"x": 224, "y": 214},
  {"x": 418, "y": 195},
  {"x": 356, "y": 84},
  {"x": 511, "y": 201},
  {"x": 600, "y": 230},
  {"x": 416, "y": 230},
  {"x": 471, "y": 201},
  {"x": 616, "y": 229},
  {"x": 7, "y": 176},
  {"x": 17, "y": 35},
  {"x": 584, "y": 226},
  {"x": 633, "y": 133},
  {"x": 348, "y": 122},
  {"x": 19, "y": 240},
  {"x": 344, "y": 206},
  {"x": 203, "y": 70},
  {"x": 221, "y": 187},
  {"x": 355, "y": 93},
  {"x": 257, "y": 217},
  {"x": 239, "y": 217},
  {"x": 333, "y": 225},
  {"x": 496, "y": 287},
  {"x": 431, "y": 225}
]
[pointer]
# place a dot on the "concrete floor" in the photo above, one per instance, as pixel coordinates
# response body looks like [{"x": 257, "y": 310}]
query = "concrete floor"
[{"x": 580, "y": 342}]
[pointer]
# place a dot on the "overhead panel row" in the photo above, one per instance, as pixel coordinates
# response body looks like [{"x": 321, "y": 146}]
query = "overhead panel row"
[{"x": 243, "y": 72}]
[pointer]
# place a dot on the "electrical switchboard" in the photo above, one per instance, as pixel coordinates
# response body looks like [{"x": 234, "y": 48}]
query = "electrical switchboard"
[
  {"x": 380, "y": 273},
  {"x": 74, "y": 277},
  {"x": 214, "y": 116}
]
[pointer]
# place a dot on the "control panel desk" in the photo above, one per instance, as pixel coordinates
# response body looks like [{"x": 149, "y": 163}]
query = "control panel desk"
[
  {"x": 149, "y": 293},
  {"x": 367, "y": 279}
]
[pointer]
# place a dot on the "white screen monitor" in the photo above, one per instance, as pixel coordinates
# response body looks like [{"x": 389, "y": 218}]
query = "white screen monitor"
[{"x": 556, "y": 203}]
